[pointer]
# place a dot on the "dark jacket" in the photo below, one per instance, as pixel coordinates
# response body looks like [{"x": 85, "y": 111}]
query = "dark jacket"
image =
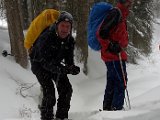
[{"x": 50, "y": 51}]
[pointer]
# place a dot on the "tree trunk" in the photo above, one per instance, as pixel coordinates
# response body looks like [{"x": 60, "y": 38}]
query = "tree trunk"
[
  {"x": 24, "y": 13},
  {"x": 52, "y": 4},
  {"x": 16, "y": 32},
  {"x": 30, "y": 10},
  {"x": 81, "y": 38}
]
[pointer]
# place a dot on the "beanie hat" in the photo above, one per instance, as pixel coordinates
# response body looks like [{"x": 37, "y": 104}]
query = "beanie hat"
[{"x": 65, "y": 16}]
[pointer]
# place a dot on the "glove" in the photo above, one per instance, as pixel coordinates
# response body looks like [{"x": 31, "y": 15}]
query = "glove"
[
  {"x": 74, "y": 70},
  {"x": 114, "y": 47},
  {"x": 104, "y": 33},
  {"x": 63, "y": 70}
]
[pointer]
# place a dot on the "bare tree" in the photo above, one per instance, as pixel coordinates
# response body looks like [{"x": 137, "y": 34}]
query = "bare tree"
[
  {"x": 37, "y": 6},
  {"x": 24, "y": 13},
  {"x": 81, "y": 38},
  {"x": 72, "y": 8},
  {"x": 30, "y": 10},
  {"x": 52, "y": 4},
  {"x": 16, "y": 32}
]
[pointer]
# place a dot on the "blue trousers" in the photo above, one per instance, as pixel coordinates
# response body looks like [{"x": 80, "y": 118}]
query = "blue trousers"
[{"x": 115, "y": 87}]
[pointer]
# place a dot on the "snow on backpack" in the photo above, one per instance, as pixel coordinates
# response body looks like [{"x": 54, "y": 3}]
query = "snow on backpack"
[
  {"x": 97, "y": 14},
  {"x": 40, "y": 23}
]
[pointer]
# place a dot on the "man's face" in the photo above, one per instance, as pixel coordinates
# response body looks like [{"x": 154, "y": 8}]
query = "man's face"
[{"x": 64, "y": 29}]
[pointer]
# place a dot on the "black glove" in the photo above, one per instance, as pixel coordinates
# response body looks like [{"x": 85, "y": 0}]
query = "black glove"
[
  {"x": 74, "y": 70},
  {"x": 104, "y": 33},
  {"x": 63, "y": 70},
  {"x": 114, "y": 47}
]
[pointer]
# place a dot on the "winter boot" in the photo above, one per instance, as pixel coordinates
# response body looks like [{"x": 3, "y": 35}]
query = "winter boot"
[
  {"x": 57, "y": 119},
  {"x": 117, "y": 109},
  {"x": 46, "y": 113}
]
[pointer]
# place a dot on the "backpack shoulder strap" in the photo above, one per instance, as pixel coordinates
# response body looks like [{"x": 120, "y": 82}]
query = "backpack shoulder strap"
[
  {"x": 119, "y": 14},
  {"x": 112, "y": 18}
]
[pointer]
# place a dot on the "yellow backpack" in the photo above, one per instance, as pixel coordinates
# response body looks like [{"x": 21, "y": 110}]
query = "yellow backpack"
[{"x": 42, "y": 21}]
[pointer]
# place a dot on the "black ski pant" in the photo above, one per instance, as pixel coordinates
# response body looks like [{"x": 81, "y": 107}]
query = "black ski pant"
[{"x": 64, "y": 89}]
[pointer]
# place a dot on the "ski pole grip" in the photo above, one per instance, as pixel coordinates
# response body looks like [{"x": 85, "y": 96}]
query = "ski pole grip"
[{"x": 4, "y": 53}]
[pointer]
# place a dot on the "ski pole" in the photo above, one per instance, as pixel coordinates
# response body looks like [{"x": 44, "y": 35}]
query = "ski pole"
[
  {"x": 126, "y": 102},
  {"x": 128, "y": 99},
  {"x": 5, "y": 53},
  {"x": 125, "y": 84}
]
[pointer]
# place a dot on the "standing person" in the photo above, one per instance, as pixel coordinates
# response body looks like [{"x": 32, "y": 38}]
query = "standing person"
[
  {"x": 52, "y": 58},
  {"x": 113, "y": 53}
]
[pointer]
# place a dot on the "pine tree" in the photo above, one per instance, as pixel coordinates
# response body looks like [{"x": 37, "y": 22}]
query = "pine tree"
[{"x": 140, "y": 29}]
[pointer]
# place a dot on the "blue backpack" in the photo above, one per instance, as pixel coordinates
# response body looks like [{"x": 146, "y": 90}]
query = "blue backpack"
[{"x": 96, "y": 16}]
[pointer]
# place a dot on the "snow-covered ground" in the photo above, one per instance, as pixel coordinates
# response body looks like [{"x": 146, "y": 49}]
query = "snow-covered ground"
[{"x": 143, "y": 88}]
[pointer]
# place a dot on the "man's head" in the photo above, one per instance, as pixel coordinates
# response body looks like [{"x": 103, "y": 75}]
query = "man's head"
[
  {"x": 64, "y": 24},
  {"x": 126, "y": 3}
]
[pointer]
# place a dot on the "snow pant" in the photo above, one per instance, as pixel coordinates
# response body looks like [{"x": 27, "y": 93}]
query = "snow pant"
[
  {"x": 64, "y": 89},
  {"x": 115, "y": 87}
]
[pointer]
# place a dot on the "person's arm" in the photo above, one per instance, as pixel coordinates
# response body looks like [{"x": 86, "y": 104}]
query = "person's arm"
[
  {"x": 111, "y": 20},
  {"x": 69, "y": 59}
]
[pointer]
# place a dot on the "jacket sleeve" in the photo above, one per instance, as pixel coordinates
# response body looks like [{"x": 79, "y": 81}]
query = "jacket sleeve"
[
  {"x": 111, "y": 19},
  {"x": 69, "y": 59}
]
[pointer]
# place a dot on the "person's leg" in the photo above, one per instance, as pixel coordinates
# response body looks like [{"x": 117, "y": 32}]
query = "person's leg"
[
  {"x": 48, "y": 101},
  {"x": 119, "y": 87},
  {"x": 108, "y": 96},
  {"x": 65, "y": 93}
]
